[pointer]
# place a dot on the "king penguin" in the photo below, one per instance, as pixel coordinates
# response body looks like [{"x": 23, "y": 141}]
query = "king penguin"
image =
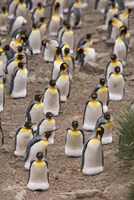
[
  {"x": 92, "y": 155},
  {"x": 3, "y": 20},
  {"x": 116, "y": 85},
  {"x": 102, "y": 92},
  {"x": 34, "y": 111},
  {"x": 38, "y": 13},
  {"x": 23, "y": 135},
  {"x": 21, "y": 9},
  {"x": 51, "y": 99},
  {"x": 42, "y": 27},
  {"x": 85, "y": 41},
  {"x": 63, "y": 83},
  {"x": 113, "y": 28},
  {"x": 47, "y": 123},
  {"x": 38, "y": 178},
  {"x": 93, "y": 111},
  {"x": 16, "y": 23},
  {"x": 75, "y": 139},
  {"x": 106, "y": 121},
  {"x": 37, "y": 144},
  {"x": 18, "y": 85},
  {"x": 11, "y": 8},
  {"x": 35, "y": 40}
]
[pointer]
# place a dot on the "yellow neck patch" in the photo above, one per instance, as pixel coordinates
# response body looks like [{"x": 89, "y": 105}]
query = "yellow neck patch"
[
  {"x": 50, "y": 120},
  {"x": 25, "y": 130},
  {"x": 64, "y": 75},
  {"x": 52, "y": 88},
  {"x": 94, "y": 101},
  {"x": 1, "y": 85},
  {"x": 74, "y": 131}
]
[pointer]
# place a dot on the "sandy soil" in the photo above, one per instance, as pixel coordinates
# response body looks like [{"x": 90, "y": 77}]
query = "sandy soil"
[{"x": 65, "y": 175}]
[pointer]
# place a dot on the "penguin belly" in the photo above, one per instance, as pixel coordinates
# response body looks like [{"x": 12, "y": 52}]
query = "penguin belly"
[
  {"x": 74, "y": 143},
  {"x": 37, "y": 147},
  {"x": 20, "y": 84},
  {"x": 90, "y": 56},
  {"x": 21, "y": 11},
  {"x": 12, "y": 8},
  {"x": 11, "y": 67},
  {"x": 93, "y": 158},
  {"x": 4, "y": 60},
  {"x": 48, "y": 125},
  {"x": 22, "y": 140},
  {"x": 56, "y": 69},
  {"x": 3, "y": 23},
  {"x": 103, "y": 97},
  {"x": 70, "y": 65},
  {"x": 51, "y": 102},
  {"x": 54, "y": 25},
  {"x": 1, "y": 97},
  {"x": 49, "y": 51},
  {"x": 38, "y": 179},
  {"x": 92, "y": 114},
  {"x": 116, "y": 87},
  {"x": 35, "y": 41},
  {"x": 107, "y": 136},
  {"x": 62, "y": 84},
  {"x": 68, "y": 37},
  {"x": 42, "y": 30},
  {"x": 38, "y": 14},
  {"x": 120, "y": 50}
]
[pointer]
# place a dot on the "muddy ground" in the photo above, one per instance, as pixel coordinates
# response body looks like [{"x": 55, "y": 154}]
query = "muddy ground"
[{"x": 65, "y": 175}]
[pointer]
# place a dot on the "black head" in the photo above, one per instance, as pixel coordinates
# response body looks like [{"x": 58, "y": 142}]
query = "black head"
[
  {"x": 102, "y": 81},
  {"x": 130, "y": 9},
  {"x": 100, "y": 132},
  {"x": 117, "y": 69},
  {"x": 79, "y": 50},
  {"x": 39, "y": 5},
  {"x": 49, "y": 115},
  {"x": 66, "y": 51},
  {"x": 7, "y": 47},
  {"x": 107, "y": 116},
  {"x": 63, "y": 66},
  {"x": 113, "y": 57},
  {"x": 20, "y": 49},
  {"x": 39, "y": 155},
  {"x": 38, "y": 97},
  {"x": 68, "y": 26},
  {"x": 47, "y": 134},
  {"x": 28, "y": 125},
  {"x": 58, "y": 51},
  {"x": 42, "y": 19},
  {"x": 65, "y": 23},
  {"x": 20, "y": 56},
  {"x": 88, "y": 36},
  {"x": 123, "y": 30},
  {"x": 56, "y": 6},
  {"x": 21, "y": 1},
  {"x": 20, "y": 65},
  {"x": 94, "y": 95},
  {"x": 52, "y": 83},
  {"x": 34, "y": 26},
  {"x": 75, "y": 124},
  {"x": 4, "y": 9}
]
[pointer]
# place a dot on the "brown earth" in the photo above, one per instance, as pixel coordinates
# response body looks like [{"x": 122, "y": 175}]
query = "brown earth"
[{"x": 65, "y": 175}]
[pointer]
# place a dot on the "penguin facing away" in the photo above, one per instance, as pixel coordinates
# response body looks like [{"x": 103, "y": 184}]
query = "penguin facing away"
[
  {"x": 93, "y": 111},
  {"x": 106, "y": 121},
  {"x": 74, "y": 140},
  {"x": 38, "y": 143},
  {"x": 38, "y": 178},
  {"x": 116, "y": 85},
  {"x": 18, "y": 85},
  {"x": 23, "y": 135},
  {"x": 47, "y": 124},
  {"x": 51, "y": 99},
  {"x": 92, "y": 155}
]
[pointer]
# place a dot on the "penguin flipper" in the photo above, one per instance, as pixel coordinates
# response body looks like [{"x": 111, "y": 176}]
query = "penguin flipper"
[
  {"x": 96, "y": 4},
  {"x": 2, "y": 135},
  {"x": 109, "y": 29},
  {"x": 12, "y": 79},
  {"x": 11, "y": 24},
  {"x": 83, "y": 153},
  {"x": 28, "y": 116},
  {"x": 38, "y": 126}
]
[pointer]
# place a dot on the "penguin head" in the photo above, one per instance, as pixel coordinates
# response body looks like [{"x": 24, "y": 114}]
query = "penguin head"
[
  {"x": 23, "y": 37},
  {"x": 102, "y": 81},
  {"x": 42, "y": 19},
  {"x": 28, "y": 125},
  {"x": 123, "y": 30},
  {"x": 65, "y": 23},
  {"x": 49, "y": 115},
  {"x": 20, "y": 49},
  {"x": 99, "y": 132},
  {"x": 80, "y": 51},
  {"x": 63, "y": 66},
  {"x": 107, "y": 115},
  {"x": 20, "y": 65},
  {"x": 68, "y": 26},
  {"x": 75, "y": 124},
  {"x": 39, "y": 5},
  {"x": 88, "y": 36},
  {"x": 7, "y": 47},
  {"x": 130, "y": 9},
  {"x": 56, "y": 6},
  {"x": 47, "y": 134},
  {"x": 39, "y": 156},
  {"x": 4, "y": 9},
  {"x": 34, "y": 26},
  {"x": 57, "y": 51},
  {"x": 52, "y": 83},
  {"x": 66, "y": 51},
  {"x": 20, "y": 56},
  {"x": 44, "y": 43},
  {"x": 94, "y": 96},
  {"x": 37, "y": 97},
  {"x": 21, "y": 1},
  {"x": 113, "y": 57},
  {"x": 117, "y": 69}
]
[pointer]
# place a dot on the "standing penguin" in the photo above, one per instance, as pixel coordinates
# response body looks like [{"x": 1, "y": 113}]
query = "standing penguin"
[
  {"x": 35, "y": 40},
  {"x": 102, "y": 92},
  {"x": 113, "y": 28},
  {"x": 106, "y": 121},
  {"x": 34, "y": 111},
  {"x": 124, "y": 16},
  {"x": 68, "y": 37},
  {"x": 92, "y": 155},
  {"x": 55, "y": 21},
  {"x": 116, "y": 85},
  {"x": 50, "y": 43},
  {"x": 63, "y": 83},
  {"x": 18, "y": 85},
  {"x": 1, "y": 134},
  {"x": 93, "y": 111},
  {"x": 23, "y": 135},
  {"x": 47, "y": 124},
  {"x": 3, "y": 20},
  {"x": 38, "y": 13},
  {"x": 38, "y": 143},
  {"x": 38, "y": 178},
  {"x": 74, "y": 140},
  {"x": 21, "y": 9},
  {"x": 11, "y": 8},
  {"x": 70, "y": 61},
  {"x": 111, "y": 66},
  {"x": 2, "y": 96},
  {"x": 51, "y": 99},
  {"x": 42, "y": 27},
  {"x": 16, "y": 23},
  {"x": 85, "y": 41}
]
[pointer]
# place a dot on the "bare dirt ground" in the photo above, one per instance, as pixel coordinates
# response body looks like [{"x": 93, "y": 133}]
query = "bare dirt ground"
[{"x": 65, "y": 175}]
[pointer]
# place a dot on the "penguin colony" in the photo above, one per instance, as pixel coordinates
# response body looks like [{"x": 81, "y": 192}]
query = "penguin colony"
[{"x": 54, "y": 38}]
